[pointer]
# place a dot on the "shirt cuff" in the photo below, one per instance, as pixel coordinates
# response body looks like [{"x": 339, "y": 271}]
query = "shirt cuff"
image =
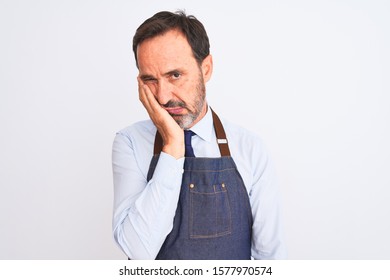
[{"x": 168, "y": 170}]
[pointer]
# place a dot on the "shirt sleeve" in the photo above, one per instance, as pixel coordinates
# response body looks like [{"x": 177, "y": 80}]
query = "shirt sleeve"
[
  {"x": 143, "y": 211},
  {"x": 267, "y": 237}
]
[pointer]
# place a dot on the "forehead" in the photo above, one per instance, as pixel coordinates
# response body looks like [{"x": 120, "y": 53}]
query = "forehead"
[{"x": 170, "y": 49}]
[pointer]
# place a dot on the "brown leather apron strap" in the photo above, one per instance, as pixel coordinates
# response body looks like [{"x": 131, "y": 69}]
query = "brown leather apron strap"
[
  {"x": 219, "y": 132},
  {"x": 221, "y": 136},
  {"x": 158, "y": 143}
]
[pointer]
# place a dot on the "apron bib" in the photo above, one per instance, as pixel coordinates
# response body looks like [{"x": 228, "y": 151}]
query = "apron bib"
[{"x": 213, "y": 219}]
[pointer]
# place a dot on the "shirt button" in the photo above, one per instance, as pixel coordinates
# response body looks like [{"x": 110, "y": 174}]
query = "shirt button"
[{"x": 192, "y": 186}]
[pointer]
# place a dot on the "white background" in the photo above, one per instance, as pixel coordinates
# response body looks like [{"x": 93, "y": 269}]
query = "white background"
[{"x": 311, "y": 77}]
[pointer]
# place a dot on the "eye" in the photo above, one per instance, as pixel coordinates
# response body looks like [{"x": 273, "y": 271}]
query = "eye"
[
  {"x": 176, "y": 75},
  {"x": 149, "y": 80}
]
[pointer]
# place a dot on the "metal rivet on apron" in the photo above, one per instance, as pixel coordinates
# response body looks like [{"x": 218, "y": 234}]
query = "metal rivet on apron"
[
  {"x": 223, "y": 185},
  {"x": 192, "y": 186}
]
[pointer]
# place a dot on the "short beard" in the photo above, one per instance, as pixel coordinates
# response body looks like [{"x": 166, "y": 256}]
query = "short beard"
[{"x": 186, "y": 121}]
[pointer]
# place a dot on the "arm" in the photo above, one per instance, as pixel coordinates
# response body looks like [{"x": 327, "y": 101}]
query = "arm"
[
  {"x": 267, "y": 238},
  {"x": 143, "y": 211}
]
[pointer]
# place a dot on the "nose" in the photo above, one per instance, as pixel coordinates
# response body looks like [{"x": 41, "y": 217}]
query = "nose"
[{"x": 163, "y": 92}]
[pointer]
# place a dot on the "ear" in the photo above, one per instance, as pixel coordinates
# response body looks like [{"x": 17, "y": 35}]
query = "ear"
[{"x": 207, "y": 68}]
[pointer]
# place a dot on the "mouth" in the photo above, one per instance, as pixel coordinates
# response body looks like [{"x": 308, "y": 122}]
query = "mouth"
[{"x": 175, "y": 111}]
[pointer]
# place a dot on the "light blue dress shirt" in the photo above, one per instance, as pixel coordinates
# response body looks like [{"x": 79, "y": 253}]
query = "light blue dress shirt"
[{"x": 144, "y": 211}]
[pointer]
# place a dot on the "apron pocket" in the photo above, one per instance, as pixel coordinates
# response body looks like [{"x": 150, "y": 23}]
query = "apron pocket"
[{"x": 210, "y": 214}]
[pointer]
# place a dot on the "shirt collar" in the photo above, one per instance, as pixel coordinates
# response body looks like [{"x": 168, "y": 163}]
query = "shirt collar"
[{"x": 205, "y": 128}]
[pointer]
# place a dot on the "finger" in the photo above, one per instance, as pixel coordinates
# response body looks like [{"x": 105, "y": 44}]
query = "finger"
[
  {"x": 143, "y": 94},
  {"x": 150, "y": 102},
  {"x": 141, "y": 89},
  {"x": 148, "y": 97}
]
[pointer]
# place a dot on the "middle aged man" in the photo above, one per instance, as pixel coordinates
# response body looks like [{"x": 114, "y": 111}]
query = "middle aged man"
[{"x": 178, "y": 193}]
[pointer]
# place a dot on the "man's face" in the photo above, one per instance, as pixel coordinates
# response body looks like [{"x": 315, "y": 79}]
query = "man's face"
[{"x": 167, "y": 65}]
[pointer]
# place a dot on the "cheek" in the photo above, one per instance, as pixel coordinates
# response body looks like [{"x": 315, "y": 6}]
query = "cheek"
[
  {"x": 187, "y": 86},
  {"x": 183, "y": 90}
]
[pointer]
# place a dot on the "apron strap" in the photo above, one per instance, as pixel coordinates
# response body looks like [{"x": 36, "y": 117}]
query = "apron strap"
[
  {"x": 158, "y": 144},
  {"x": 221, "y": 136},
  {"x": 219, "y": 132}
]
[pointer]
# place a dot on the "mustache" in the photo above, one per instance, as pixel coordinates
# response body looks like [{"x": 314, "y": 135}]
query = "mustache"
[{"x": 174, "y": 104}]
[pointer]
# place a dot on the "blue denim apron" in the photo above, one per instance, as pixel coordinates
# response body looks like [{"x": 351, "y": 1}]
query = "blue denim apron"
[{"x": 213, "y": 218}]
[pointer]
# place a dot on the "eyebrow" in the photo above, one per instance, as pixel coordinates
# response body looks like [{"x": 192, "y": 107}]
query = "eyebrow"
[
  {"x": 173, "y": 72},
  {"x": 150, "y": 77}
]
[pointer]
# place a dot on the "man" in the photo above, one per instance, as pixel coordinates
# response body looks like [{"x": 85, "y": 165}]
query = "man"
[{"x": 186, "y": 185}]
